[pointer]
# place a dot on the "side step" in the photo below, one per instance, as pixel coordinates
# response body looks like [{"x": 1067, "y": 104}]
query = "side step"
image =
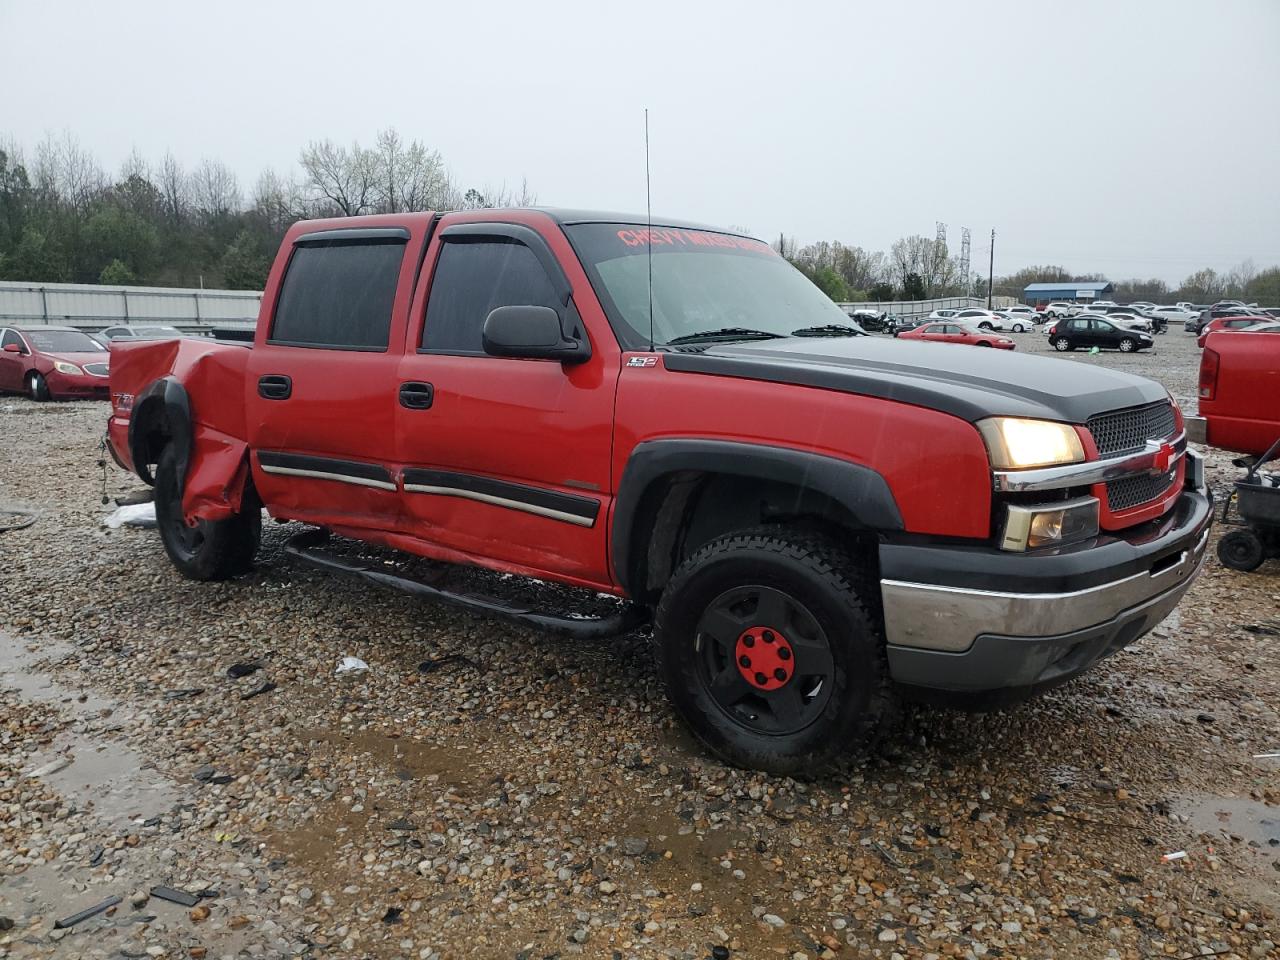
[{"x": 306, "y": 546}]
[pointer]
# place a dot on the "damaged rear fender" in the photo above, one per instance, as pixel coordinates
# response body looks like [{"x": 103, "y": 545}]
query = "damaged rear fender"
[{"x": 161, "y": 416}]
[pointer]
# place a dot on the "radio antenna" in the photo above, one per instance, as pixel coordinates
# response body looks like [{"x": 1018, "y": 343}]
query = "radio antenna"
[{"x": 648, "y": 214}]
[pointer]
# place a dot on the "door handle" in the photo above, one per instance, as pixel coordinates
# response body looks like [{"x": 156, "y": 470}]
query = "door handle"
[
  {"x": 417, "y": 396},
  {"x": 275, "y": 387}
]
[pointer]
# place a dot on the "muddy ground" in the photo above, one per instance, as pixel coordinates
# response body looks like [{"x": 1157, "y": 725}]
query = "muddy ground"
[{"x": 534, "y": 797}]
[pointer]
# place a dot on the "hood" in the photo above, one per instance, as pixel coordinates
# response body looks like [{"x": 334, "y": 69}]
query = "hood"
[
  {"x": 80, "y": 359},
  {"x": 967, "y": 382}
]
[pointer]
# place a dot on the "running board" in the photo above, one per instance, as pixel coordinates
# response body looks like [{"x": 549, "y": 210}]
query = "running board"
[{"x": 305, "y": 546}]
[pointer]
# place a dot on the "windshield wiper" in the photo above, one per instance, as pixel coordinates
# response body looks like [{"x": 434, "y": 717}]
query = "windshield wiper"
[
  {"x": 829, "y": 330},
  {"x": 726, "y": 333}
]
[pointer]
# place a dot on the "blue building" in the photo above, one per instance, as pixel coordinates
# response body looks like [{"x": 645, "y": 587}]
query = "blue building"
[{"x": 1086, "y": 290}]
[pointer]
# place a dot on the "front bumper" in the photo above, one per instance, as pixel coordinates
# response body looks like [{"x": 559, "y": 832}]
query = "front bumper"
[
  {"x": 976, "y": 619},
  {"x": 77, "y": 385}
]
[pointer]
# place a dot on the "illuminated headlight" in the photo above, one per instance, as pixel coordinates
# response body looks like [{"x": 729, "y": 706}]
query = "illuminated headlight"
[
  {"x": 63, "y": 367},
  {"x": 1017, "y": 444},
  {"x": 1050, "y": 524}
]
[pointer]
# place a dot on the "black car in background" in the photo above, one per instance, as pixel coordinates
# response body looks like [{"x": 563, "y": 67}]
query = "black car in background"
[
  {"x": 903, "y": 324},
  {"x": 1076, "y": 332}
]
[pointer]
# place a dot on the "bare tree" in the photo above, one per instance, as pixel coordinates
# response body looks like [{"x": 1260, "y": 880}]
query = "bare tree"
[
  {"x": 174, "y": 188},
  {"x": 68, "y": 172},
  {"x": 344, "y": 179},
  {"x": 215, "y": 190},
  {"x": 278, "y": 202}
]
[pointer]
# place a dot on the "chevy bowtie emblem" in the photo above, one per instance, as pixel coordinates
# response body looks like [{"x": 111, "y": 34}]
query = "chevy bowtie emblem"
[{"x": 1161, "y": 459}]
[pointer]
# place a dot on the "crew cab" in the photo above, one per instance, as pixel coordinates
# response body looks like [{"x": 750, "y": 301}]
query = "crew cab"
[
  {"x": 1240, "y": 390},
  {"x": 818, "y": 522}
]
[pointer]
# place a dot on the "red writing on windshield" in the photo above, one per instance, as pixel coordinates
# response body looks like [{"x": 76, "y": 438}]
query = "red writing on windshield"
[{"x": 690, "y": 238}]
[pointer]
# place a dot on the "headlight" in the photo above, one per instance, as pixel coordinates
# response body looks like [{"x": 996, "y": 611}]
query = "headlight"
[
  {"x": 1016, "y": 444},
  {"x": 1026, "y": 528},
  {"x": 63, "y": 367}
]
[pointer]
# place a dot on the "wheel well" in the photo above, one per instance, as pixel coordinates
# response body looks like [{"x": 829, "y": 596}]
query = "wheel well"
[
  {"x": 685, "y": 510},
  {"x": 151, "y": 433}
]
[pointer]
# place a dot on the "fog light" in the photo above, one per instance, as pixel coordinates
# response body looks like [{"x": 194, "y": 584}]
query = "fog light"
[{"x": 1026, "y": 528}]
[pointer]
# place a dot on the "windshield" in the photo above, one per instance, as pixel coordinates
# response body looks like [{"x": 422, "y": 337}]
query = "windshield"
[
  {"x": 704, "y": 283},
  {"x": 63, "y": 341}
]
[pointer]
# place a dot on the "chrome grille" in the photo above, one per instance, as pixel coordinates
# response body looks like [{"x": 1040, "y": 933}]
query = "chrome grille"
[
  {"x": 1132, "y": 491},
  {"x": 1129, "y": 430},
  {"x": 97, "y": 369}
]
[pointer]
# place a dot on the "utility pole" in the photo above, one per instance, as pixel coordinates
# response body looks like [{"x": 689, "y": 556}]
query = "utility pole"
[{"x": 991, "y": 267}]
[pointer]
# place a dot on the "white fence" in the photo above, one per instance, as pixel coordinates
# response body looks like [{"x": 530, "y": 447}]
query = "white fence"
[
  {"x": 93, "y": 306},
  {"x": 922, "y": 308}
]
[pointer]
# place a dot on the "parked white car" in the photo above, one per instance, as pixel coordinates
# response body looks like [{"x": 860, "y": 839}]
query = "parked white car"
[
  {"x": 1017, "y": 322},
  {"x": 1121, "y": 318},
  {"x": 1021, "y": 311},
  {"x": 1174, "y": 314},
  {"x": 982, "y": 319},
  {"x": 944, "y": 314},
  {"x": 1099, "y": 304},
  {"x": 1061, "y": 308}
]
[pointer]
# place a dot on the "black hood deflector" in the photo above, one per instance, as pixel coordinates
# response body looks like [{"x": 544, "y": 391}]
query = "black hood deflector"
[{"x": 967, "y": 382}]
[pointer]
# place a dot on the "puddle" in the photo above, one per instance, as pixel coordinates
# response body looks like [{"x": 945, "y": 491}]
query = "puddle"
[
  {"x": 1245, "y": 830},
  {"x": 105, "y": 774}
]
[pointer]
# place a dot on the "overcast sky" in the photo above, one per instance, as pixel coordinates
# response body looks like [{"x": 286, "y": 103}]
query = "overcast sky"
[{"x": 1132, "y": 138}]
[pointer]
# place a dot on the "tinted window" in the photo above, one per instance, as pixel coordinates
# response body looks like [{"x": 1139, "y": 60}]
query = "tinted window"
[
  {"x": 1101, "y": 326},
  {"x": 473, "y": 278},
  {"x": 339, "y": 295},
  {"x": 10, "y": 337}
]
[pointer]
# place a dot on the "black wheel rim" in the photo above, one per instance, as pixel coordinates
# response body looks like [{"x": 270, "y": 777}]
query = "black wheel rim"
[{"x": 786, "y": 683}]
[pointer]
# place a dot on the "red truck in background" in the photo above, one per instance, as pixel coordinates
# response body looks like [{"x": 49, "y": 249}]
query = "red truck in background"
[
  {"x": 818, "y": 521},
  {"x": 1240, "y": 390}
]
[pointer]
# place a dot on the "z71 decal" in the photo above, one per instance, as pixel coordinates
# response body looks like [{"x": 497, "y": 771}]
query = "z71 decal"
[{"x": 642, "y": 362}]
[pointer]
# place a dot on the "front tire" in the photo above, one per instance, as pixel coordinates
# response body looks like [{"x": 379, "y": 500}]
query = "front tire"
[
  {"x": 1018, "y": 328},
  {"x": 1127, "y": 345},
  {"x": 772, "y": 650},
  {"x": 1241, "y": 550},
  {"x": 37, "y": 387},
  {"x": 210, "y": 549}
]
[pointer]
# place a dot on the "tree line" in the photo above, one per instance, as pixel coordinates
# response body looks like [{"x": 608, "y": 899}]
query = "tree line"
[
  {"x": 63, "y": 218},
  {"x": 922, "y": 268}
]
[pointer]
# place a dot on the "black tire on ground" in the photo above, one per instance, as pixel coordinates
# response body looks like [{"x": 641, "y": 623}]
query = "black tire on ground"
[
  {"x": 1127, "y": 345},
  {"x": 1018, "y": 328},
  {"x": 984, "y": 343},
  {"x": 984, "y": 325},
  {"x": 1062, "y": 345},
  {"x": 37, "y": 388},
  {"x": 1241, "y": 550},
  {"x": 211, "y": 550},
  {"x": 808, "y": 612}
]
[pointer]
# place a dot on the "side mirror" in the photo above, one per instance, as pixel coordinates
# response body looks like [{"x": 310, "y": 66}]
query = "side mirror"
[
  {"x": 12, "y": 348},
  {"x": 531, "y": 333}
]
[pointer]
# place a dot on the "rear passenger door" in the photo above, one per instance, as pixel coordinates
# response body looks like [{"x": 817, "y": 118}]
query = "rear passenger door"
[
  {"x": 11, "y": 364},
  {"x": 321, "y": 378}
]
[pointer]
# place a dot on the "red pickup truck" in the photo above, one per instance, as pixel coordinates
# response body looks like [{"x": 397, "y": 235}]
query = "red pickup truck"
[
  {"x": 1240, "y": 390},
  {"x": 817, "y": 520}
]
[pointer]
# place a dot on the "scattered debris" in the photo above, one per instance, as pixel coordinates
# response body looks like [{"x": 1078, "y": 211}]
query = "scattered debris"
[
  {"x": 184, "y": 694},
  {"x": 180, "y": 897},
  {"x": 351, "y": 665},
  {"x": 392, "y": 915},
  {"x": 1263, "y": 629},
  {"x": 93, "y": 911},
  {"x": 432, "y": 664},
  {"x": 266, "y": 686},
  {"x": 132, "y": 515},
  {"x": 1176, "y": 855},
  {"x": 53, "y": 766},
  {"x": 1266, "y": 756},
  {"x": 5, "y": 924},
  {"x": 401, "y": 824},
  {"x": 12, "y": 518},
  {"x": 238, "y": 670},
  {"x": 145, "y": 495}
]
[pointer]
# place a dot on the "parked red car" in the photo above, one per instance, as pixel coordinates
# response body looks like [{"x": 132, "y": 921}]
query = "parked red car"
[
  {"x": 52, "y": 363},
  {"x": 1242, "y": 322},
  {"x": 958, "y": 333},
  {"x": 817, "y": 520},
  {"x": 1239, "y": 390}
]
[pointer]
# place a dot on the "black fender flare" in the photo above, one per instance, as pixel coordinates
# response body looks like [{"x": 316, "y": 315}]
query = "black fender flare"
[
  {"x": 859, "y": 489},
  {"x": 164, "y": 402}
]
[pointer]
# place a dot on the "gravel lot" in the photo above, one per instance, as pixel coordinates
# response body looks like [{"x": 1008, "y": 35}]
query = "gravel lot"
[{"x": 535, "y": 797}]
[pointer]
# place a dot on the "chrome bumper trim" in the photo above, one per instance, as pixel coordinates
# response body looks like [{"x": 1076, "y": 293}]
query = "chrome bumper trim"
[
  {"x": 1092, "y": 471},
  {"x": 934, "y": 617}
]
